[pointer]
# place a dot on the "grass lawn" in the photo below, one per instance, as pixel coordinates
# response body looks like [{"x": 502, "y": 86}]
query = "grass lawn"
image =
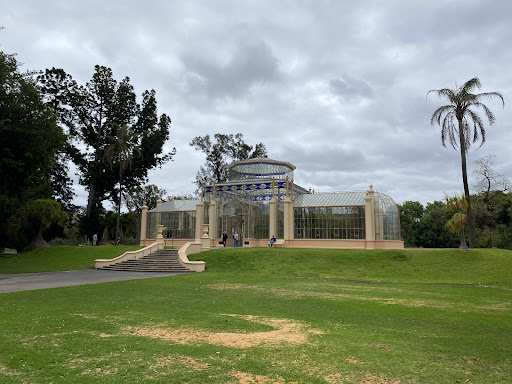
[
  {"x": 60, "y": 258},
  {"x": 273, "y": 316}
]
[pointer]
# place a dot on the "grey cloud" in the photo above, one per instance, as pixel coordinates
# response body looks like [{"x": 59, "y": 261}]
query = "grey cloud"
[
  {"x": 250, "y": 64},
  {"x": 350, "y": 87}
]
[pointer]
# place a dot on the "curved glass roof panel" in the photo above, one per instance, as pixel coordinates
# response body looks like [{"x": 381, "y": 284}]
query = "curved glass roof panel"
[
  {"x": 332, "y": 199},
  {"x": 177, "y": 206}
]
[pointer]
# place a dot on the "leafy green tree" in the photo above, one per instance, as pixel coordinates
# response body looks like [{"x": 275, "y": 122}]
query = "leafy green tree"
[
  {"x": 31, "y": 142},
  {"x": 41, "y": 214},
  {"x": 430, "y": 231},
  {"x": 462, "y": 126},
  {"x": 127, "y": 229},
  {"x": 411, "y": 213},
  {"x": 121, "y": 153},
  {"x": 219, "y": 154},
  {"x": 458, "y": 206},
  {"x": 90, "y": 114}
]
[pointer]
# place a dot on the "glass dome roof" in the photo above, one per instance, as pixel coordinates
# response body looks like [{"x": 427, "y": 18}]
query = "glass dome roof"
[{"x": 260, "y": 168}]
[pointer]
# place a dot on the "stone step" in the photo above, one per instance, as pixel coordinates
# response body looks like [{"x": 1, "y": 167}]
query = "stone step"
[{"x": 165, "y": 260}]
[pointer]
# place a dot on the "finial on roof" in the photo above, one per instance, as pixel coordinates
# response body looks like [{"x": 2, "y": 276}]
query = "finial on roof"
[{"x": 371, "y": 187}]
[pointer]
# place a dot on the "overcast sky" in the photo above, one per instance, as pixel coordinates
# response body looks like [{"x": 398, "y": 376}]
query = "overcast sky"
[{"x": 337, "y": 88}]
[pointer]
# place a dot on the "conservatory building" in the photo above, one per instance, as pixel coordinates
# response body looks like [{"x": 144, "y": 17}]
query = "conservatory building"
[{"x": 261, "y": 200}]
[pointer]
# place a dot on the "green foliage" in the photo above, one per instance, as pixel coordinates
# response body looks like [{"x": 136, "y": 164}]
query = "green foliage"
[
  {"x": 138, "y": 195},
  {"x": 121, "y": 150},
  {"x": 427, "y": 230},
  {"x": 90, "y": 114},
  {"x": 457, "y": 205},
  {"x": 221, "y": 153},
  {"x": 128, "y": 225},
  {"x": 31, "y": 141},
  {"x": 44, "y": 212}
]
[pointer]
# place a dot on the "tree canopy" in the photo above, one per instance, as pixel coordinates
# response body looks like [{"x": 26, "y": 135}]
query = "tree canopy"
[
  {"x": 31, "y": 143},
  {"x": 90, "y": 114},
  {"x": 220, "y": 153}
]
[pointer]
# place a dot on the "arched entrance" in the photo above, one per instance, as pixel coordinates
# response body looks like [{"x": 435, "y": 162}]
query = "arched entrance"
[{"x": 236, "y": 218}]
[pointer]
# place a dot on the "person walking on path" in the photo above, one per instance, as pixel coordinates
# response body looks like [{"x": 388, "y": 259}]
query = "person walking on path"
[
  {"x": 224, "y": 238},
  {"x": 235, "y": 239}
]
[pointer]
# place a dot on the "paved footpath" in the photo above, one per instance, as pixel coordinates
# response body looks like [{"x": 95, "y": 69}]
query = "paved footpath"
[{"x": 30, "y": 281}]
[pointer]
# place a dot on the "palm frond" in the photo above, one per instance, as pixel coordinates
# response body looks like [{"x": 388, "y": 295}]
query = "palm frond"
[
  {"x": 490, "y": 96},
  {"x": 470, "y": 85},
  {"x": 438, "y": 113}
]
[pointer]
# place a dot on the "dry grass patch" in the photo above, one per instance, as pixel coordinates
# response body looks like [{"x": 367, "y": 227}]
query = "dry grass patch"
[
  {"x": 369, "y": 379},
  {"x": 8, "y": 372},
  {"x": 247, "y": 378},
  {"x": 355, "y": 295},
  {"x": 285, "y": 331}
]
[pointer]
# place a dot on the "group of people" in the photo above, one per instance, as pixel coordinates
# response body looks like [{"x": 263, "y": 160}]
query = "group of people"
[
  {"x": 236, "y": 237},
  {"x": 95, "y": 240},
  {"x": 225, "y": 239}
]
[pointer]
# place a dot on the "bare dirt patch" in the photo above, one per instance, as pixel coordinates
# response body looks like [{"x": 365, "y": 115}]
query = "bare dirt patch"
[
  {"x": 8, "y": 372},
  {"x": 353, "y": 361},
  {"x": 334, "y": 378},
  {"x": 285, "y": 331},
  {"x": 369, "y": 379},
  {"x": 247, "y": 378}
]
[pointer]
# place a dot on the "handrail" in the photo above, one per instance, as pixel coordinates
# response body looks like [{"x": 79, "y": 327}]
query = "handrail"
[
  {"x": 191, "y": 248},
  {"x": 130, "y": 255}
]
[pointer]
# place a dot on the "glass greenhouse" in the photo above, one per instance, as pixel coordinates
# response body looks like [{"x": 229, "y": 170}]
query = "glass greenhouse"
[{"x": 261, "y": 200}]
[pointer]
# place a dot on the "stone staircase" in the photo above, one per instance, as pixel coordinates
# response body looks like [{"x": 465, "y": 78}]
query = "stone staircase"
[{"x": 164, "y": 260}]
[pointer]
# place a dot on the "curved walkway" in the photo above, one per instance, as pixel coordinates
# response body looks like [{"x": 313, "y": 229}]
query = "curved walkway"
[{"x": 41, "y": 280}]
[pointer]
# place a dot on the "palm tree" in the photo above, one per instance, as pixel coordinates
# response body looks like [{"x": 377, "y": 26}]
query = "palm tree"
[
  {"x": 462, "y": 126},
  {"x": 121, "y": 152},
  {"x": 456, "y": 224}
]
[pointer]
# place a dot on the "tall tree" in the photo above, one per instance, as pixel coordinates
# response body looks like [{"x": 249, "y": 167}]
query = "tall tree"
[
  {"x": 31, "y": 142},
  {"x": 121, "y": 153},
  {"x": 90, "y": 115},
  {"x": 462, "y": 126},
  {"x": 219, "y": 154}
]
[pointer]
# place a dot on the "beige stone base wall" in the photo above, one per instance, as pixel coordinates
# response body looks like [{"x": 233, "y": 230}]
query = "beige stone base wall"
[
  {"x": 298, "y": 243},
  {"x": 343, "y": 244},
  {"x": 325, "y": 244}
]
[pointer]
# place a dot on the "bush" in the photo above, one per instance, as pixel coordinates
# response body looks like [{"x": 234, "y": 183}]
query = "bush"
[
  {"x": 61, "y": 241},
  {"x": 130, "y": 241}
]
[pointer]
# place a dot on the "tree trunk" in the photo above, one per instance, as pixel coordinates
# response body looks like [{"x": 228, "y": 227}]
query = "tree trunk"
[
  {"x": 139, "y": 224},
  {"x": 463, "y": 246},
  {"x": 465, "y": 182},
  {"x": 91, "y": 199},
  {"x": 118, "y": 223},
  {"x": 37, "y": 242}
]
